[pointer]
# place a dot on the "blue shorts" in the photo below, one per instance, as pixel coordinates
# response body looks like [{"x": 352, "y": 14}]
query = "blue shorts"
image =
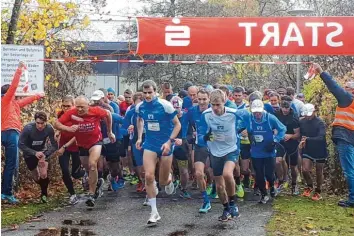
[
  {"x": 138, "y": 156},
  {"x": 218, "y": 163},
  {"x": 157, "y": 149}
]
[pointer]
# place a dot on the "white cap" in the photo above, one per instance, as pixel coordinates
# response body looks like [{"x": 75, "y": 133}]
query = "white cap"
[
  {"x": 97, "y": 95},
  {"x": 350, "y": 84},
  {"x": 257, "y": 106},
  {"x": 308, "y": 109}
]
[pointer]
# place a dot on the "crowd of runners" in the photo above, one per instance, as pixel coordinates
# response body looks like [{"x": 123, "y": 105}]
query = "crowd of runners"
[{"x": 226, "y": 140}]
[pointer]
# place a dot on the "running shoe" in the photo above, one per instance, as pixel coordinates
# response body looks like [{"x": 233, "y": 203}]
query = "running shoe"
[
  {"x": 140, "y": 187},
  {"x": 9, "y": 198},
  {"x": 346, "y": 203},
  {"x": 264, "y": 199},
  {"x": 256, "y": 192},
  {"x": 73, "y": 199},
  {"x": 184, "y": 194},
  {"x": 205, "y": 207},
  {"x": 154, "y": 218},
  {"x": 44, "y": 199},
  {"x": 316, "y": 197},
  {"x": 285, "y": 185},
  {"x": 298, "y": 179},
  {"x": 114, "y": 184},
  {"x": 234, "y": 212},
  {"x": 177, "y": 183},
  {"x": 134, "y": 181},
  {"x": 209, "y": 189},
  {"x": 225, "y": 216},
  {"x": 121, "y": 183},
  {"x": 240, "y": 193},
  {"x": 126, "y": 171},
  {"x": 90, "y": 202},
  {"x": 99, "y": 188},
  {"x": 128, "y": 178},
  {"x": 295, "y": 190},
  {"x": 170, "y": 188},
  {"x": 307, "y": 192},
  {"x": 273, "y": 192},
  {"x": 280, "y": 188},
  {"x": 214, "y": 196}
]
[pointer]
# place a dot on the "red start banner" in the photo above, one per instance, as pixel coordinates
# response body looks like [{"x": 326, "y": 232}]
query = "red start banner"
[{"x": 271, "y": 35}]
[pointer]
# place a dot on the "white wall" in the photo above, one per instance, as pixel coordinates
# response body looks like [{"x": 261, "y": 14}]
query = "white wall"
[{"x": 106, "y": 81}]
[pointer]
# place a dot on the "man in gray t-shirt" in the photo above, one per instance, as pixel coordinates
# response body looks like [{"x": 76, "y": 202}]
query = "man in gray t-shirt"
[{"x": 36, "y": 151}]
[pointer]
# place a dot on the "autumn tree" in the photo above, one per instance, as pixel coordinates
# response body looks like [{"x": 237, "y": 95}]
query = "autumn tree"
[
  {"x": 50, "y": 23},
  {"x": 53, "y": 24}
]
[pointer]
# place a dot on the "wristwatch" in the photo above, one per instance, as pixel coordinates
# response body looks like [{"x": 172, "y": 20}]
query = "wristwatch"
[
  {"x": 172, "y": 140},
  {"x": 64, "y": 146}
]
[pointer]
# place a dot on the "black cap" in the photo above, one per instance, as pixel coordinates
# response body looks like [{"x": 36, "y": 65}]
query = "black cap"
[
  {"x": 182, "y": 94},
  {"x": 187, "y": 85},
  {"x": 285, "y": 104},
  {"x": 169, "y": 97}
]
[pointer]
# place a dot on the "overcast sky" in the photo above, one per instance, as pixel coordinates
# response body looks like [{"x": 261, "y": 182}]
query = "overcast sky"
[{"x": 103, "y": 27}]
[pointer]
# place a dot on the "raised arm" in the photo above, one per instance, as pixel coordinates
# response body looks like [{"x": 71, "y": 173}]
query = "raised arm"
[
  {"x": 14, "y": 84},
  {"x": 343, "y": 97}
]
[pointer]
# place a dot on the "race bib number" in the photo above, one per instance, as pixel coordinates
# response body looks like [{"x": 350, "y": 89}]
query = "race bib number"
[
  {"x": 106, "y": 141},
  {"x": 219, "y": 137},
  {"x": 258, "y": 138},
  {"x": 36, "y": 143},
  {"x": 153, "y": 126}
]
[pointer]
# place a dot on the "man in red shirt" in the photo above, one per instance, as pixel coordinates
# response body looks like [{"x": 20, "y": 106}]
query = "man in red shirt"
[{"x": 86, "y": 128}]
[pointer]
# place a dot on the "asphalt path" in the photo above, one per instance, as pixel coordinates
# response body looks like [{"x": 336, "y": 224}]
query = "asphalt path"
[{"x": 123, "y": 213}]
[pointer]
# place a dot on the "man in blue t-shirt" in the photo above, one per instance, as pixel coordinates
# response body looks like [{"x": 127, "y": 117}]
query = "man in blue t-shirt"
[
  {"x": 162, "y": 126},
  {"x": 201, "y": 152},
  {"x": 190, "y": 99},
  {"x": 260, "y": 127}
]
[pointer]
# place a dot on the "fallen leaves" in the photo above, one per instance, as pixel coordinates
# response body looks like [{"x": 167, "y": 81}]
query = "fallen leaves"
[
  {"x": 309, "y": 226},
  {"x": 14, "y": 227}
]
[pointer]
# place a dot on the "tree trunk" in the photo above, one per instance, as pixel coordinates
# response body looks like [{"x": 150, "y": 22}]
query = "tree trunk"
[{"x": 13, "y": 23}]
